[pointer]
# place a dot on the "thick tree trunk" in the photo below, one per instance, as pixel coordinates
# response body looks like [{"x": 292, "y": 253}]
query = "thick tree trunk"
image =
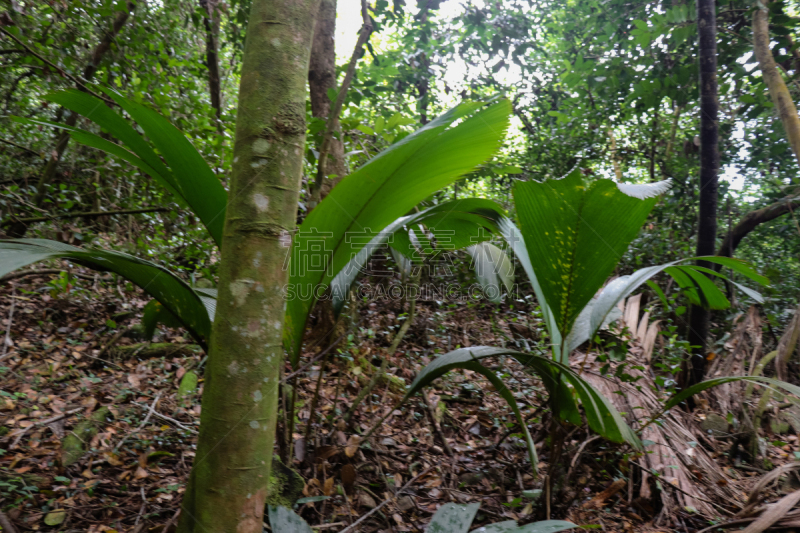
[
  {"x": 228, "y": 485},
  {"x": 321, "y": 79},
  {"x": 709, "y": 165},
  {"x": 769, "y": 72},
  {"x": 211, "y": 23}
]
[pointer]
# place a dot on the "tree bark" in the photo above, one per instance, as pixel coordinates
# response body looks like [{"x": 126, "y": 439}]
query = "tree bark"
[
  {"x": 211, "y": 23},
  {"x": 332, "y": 132},
  {"x": 769, "y": 72},
  {"x": 694, "y": 369},
  {"x": 228, "y": 485},
  {"x": 787, "y": 112},
  {"x": 751, "y": 220},
  {"x": 321, "y": 79}
]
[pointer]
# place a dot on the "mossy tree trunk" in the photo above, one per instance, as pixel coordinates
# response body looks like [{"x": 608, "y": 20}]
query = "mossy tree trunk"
[
  {"x": 228, "y": 485},
  {"x": 787, "y": 112}
]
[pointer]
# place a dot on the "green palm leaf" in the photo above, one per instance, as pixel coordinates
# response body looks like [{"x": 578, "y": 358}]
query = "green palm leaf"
[
  {"x": 601, "y": 415},
  {"x": 575, "y": 234},
  {"x": 383, "y": 190},
  {"x": 177, "y": 297}
]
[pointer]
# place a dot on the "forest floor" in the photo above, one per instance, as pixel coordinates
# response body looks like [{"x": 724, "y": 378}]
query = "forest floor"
[{"x": 96, "y": 437}]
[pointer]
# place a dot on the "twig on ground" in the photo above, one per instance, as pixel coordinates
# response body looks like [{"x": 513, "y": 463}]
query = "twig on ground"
[
  {"x": 7, "y": 339},
  {"x": 168, "y": 419},
  {"x": 171, "y": 521},
  {"x": 328, "y": 526},
  {"x": 437, "y": 428},
  {"x": 44, "y": 423},
  {"x": 6, "y": 524},
  {"x": 150, "y": 412},
  {"x": 381, "y": 505}
]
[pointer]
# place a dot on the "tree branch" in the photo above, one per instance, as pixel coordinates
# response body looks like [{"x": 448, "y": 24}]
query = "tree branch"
[
  {"x": 87, "y": 215},
  {"x": 751, "y": 220}
]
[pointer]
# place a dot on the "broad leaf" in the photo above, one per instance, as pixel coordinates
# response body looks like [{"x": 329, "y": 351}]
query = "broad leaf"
[
  {"x": 286, "y": 521},
  {"x": 493, "y": 268},
  {"x": 514, "y": 238},
  {"x": 173, "y": 293},
  {"x": 623, "y": 286},
  {"x": 453, "y": 518},
  {"x": 468, "y": 358},
  {"x": 456, "y": 224},
  {"x": 380, "y": 192},
  {"x": 154, "y": 314},
  {"x": 601, "y": 415},
  {"x": 188, "y": 174},
  {"x": 575, "y": 234},
  {"x": 95, "y": 141}
]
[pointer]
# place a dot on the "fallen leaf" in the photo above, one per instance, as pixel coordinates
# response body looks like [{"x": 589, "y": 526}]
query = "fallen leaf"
[
  {"x": 55, "y": 518},
  {"x": 327, "y": 488},
  {"x": 348, "y": 478},
  {"x": 352, "y": 445},
  {"x": 365, "y": 500}
]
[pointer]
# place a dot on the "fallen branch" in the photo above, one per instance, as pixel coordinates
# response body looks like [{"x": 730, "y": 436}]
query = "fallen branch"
[
  {"x": 44, "y": 423},
  {"x": 168, "y": 419},
  {"x": 146, "y": 350}
]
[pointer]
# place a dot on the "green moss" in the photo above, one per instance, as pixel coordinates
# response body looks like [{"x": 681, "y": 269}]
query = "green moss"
[
  {"x": 74, "y": 445},
  {"x": 285, "y": 485}
]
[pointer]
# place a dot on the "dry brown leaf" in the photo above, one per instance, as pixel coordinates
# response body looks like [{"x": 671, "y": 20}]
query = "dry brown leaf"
[
  {"x": 326, "y": 452},
  {"x": 348, "y": 478},
  {"x": 613, "y": 488},
  {"x": 327, "y": 487},
  {"x": 365, "y": 500},
  {"x": 133, "y": 379},
  {"x": 352, "y": 445},
  {"x": 774, "y": 512},
  {"x": 140, "y": 473}
]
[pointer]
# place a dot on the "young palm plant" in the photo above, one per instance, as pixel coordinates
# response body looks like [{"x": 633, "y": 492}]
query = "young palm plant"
[
  {"x": 377, "y": 196},
  {"x": 573, "y": 233}
]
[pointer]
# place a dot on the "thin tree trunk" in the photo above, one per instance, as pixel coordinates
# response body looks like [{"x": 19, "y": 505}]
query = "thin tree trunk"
[
  {"x": 709, "y": 165},
  {"x": 88, "y": 73},
  {"x": 614, "y": 157},
  {"x": 211, "y": 23},
  {"x": 229, "y": 481}
]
